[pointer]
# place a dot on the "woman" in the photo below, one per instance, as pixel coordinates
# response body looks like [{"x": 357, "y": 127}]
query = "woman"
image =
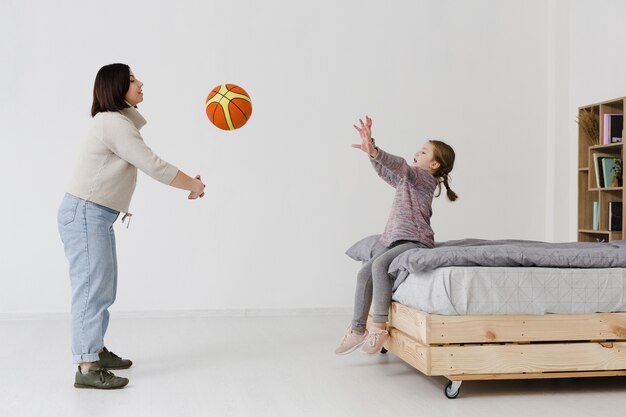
[{"x": 102, "y": 186}]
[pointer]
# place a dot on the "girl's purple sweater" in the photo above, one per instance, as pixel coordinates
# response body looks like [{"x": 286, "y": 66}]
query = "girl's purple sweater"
[{"x": 412, "y": 205}]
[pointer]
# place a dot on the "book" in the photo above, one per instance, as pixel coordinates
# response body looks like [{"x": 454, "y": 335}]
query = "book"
[
  {"x": 616, "y": 124},
  {"x": 615, "y": 216},
  {"x": 597, "y": 162},
  {"x": 608, "y": 166},
  {"x": 612, "y": 128},
  {"x": 596, "y": 219}
]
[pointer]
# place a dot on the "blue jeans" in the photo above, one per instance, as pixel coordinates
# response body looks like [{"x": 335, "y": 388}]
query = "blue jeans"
[{"x": 86, "y": 230}]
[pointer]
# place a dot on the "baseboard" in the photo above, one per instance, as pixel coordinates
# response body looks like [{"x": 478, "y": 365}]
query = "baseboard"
[{"x": 149, "y": 314}]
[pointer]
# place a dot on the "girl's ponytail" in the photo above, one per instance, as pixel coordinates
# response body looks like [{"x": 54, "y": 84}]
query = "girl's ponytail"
[
  {"x": 451, "y": 194},
  {"x": 444, "y": 155}
]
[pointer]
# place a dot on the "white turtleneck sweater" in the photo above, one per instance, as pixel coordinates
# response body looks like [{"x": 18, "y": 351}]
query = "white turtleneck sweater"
[{"x": 110, "y": 153}]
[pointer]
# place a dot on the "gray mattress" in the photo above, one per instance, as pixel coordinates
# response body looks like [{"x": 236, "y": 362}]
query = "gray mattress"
[{"x": 514, "y": 290}]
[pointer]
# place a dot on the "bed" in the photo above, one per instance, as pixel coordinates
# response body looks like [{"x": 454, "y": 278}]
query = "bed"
[{"x": 523, "y": 310}]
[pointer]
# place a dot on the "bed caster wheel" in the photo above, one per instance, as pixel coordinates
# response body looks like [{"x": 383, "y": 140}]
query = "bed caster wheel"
[
  {"x": 383, "y": 351},
  {"x": 452, "y": 389}
]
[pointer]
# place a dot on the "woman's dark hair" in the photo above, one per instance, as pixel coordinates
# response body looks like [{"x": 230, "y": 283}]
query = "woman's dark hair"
[
  {"x": 111, "y": 85},
  {"x": 444, "y": 154}
]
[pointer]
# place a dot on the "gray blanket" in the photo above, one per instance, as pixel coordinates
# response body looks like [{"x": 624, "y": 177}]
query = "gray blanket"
[
  {"x": 479, "y": 252},
  {"x": 476, "y": 252}
]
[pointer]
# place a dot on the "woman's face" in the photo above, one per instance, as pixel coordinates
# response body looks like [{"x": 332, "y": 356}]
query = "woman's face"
[{"x": 134, "y": 95}]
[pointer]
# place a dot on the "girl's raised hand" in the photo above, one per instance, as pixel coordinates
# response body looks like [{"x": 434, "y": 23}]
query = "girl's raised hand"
[{"x": 365, "y": 131}]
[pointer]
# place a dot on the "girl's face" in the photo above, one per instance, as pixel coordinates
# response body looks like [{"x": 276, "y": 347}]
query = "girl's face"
[
  {"x": 134, "y": 95},
  {"x": 424, "y": 158}
]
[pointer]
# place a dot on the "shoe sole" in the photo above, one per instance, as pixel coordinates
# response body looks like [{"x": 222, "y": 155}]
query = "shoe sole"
[
  {"x": 351, "y": 349},
  {"x": 371, "y": 353},
  {"x": 116, "y": 368},
  {"x": 374, "y": 352},
  {"x": 81, "y": 386}
]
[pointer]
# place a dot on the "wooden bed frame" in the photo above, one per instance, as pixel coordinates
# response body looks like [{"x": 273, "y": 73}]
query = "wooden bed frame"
[{"x": 508, "y": 346}]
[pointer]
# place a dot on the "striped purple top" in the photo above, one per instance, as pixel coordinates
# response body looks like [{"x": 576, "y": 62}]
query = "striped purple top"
[{"x": 412, "y": 205}]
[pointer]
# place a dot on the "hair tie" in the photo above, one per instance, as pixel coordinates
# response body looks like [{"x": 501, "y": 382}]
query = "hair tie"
[{"x": 445, "y": 181}]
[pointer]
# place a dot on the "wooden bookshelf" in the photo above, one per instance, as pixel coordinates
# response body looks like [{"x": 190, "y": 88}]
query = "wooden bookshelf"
[{"x": 588, "y": 190}]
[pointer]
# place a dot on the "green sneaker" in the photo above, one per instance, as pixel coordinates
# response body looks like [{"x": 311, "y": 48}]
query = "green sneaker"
[
  {"x": 110, "y": 360},
  {"x": 98, "y": 378}
]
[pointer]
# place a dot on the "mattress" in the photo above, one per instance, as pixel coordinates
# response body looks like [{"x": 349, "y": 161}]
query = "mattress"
[{"x": 514, "y": 290}]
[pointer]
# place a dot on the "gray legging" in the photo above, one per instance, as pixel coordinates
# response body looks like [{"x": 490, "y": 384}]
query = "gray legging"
[{"x": 373, "y": 279}]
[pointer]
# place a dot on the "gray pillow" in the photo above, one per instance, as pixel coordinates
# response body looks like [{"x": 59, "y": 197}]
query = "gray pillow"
[{"x": 367, "y": 248}]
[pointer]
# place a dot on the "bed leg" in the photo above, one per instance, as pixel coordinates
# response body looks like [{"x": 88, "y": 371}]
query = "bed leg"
[{"x": 452, "y": 389}]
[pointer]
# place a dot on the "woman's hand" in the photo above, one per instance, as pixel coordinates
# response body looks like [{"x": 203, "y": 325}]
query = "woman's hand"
[
  {"x": 197, "y": 190},
  {"x": 367, "y": 143},
  {"x": 185, "y": 182}
]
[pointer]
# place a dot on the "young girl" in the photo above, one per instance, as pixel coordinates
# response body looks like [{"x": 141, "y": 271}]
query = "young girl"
[
  {"x": 101, "y": 187},
  {"x": 408, "y": 227}
]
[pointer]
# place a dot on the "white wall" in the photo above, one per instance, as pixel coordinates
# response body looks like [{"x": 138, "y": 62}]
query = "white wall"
[
  {"x": 286, "y": 195},
  {"x": 560, "y": 120},
  {"x": 596, "y": 61}
]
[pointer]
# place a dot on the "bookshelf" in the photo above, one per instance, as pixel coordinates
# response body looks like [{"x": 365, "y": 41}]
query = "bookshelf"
[{"x": 589, "y": 191}]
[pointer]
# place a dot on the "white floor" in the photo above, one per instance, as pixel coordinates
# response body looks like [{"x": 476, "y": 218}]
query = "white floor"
[{"x": 260, "y": 366}]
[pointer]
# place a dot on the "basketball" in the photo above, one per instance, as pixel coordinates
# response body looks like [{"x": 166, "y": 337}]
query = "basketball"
[{"x": 228, "y": 106}]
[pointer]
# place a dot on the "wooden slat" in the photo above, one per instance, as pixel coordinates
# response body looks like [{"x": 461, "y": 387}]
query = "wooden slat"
[
  {"x": 527, "y": 328},
  {"x": 540, "y": 375},
  {"x": 409, "y": 350},
  {"x": 514, "y": 358},
  {"x": 438, "y": 329},
  {"x": 411, "y": 322}
]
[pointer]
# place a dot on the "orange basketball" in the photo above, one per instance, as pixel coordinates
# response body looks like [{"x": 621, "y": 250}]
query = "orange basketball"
[{"x": 228, "y": 106}]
